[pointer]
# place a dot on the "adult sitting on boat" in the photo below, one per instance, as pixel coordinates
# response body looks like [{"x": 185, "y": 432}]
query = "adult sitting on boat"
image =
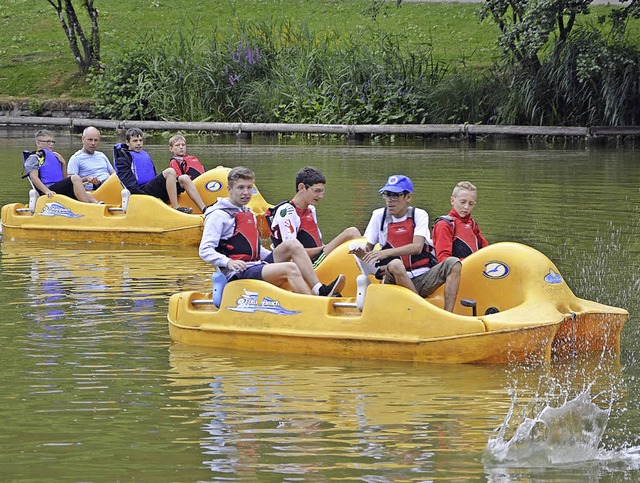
[
  {"x": 297, "y": 218},
  {"x": 47, "y": 171},
  {"x": 231, "y": 241},
  {"x": 137, "y": 172},
  {"x": 457, "y": 234},
  {"x": 406, "y": 256},
  {"x": 91, "y": 165}
]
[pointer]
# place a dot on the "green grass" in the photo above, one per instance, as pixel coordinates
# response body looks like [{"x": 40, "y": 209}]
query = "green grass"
[
  {"x": 36, "y": 62},
  {"x": 35, "y": 59}
]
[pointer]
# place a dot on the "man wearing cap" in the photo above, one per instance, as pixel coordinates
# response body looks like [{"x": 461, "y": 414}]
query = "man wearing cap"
[{"x": 406, "y": 256}]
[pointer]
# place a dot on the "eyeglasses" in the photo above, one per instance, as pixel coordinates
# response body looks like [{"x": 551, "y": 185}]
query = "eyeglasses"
[
  {"x": 388, "y": 195},
  {"x": 317, "y": 191},
  {"x": 48, "y": 141}
]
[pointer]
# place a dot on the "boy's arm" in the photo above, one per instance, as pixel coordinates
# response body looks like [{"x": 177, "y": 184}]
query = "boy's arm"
[
  {"x": 286, "y": 222},
  {"x": 211, "y": 235},
  {"x": 443, "y": 240}
]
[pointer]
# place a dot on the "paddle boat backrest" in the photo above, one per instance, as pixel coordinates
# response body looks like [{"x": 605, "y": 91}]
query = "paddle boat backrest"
[
  {"x": 506, "y": 275},
  {"x": 33, "y": 193}
]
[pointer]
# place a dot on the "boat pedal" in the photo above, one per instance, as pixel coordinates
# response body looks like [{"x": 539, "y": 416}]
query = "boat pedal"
[
  {"x": 23, "y": 210},
  {"x": 114, "y": 210}
]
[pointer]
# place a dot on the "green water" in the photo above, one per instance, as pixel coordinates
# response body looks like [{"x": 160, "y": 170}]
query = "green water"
[{"x": 93, "y": 389}]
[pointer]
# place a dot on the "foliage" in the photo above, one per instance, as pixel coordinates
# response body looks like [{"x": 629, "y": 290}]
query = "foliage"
[
  {"x": 270, "y": 72},
  {"x": 527, "y": 25}
]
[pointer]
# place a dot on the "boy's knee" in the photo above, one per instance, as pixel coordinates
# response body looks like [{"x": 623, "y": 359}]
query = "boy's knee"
[
  {"x": 291, "y": 245},
  {"x": 291, "y": 270},
  {"x": 75, "y": 179},
  {"x": 353, "y": 232},
  {"x": 184, "y": 180},
  {"x": 169, "y": 173},
  {"x": 396, "y": 267}
]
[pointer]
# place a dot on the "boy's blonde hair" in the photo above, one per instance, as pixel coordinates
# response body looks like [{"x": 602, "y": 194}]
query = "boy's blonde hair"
[
  {"x": 463, "y": 185},
  {"x": 176, "y": 138}
]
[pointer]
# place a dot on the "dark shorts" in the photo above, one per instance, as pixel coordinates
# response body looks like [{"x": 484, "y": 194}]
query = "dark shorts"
[
  {"x": 157, "y": 188},
  {"x": 254, "y": 272},
  {"x": 63, "y": 187}
]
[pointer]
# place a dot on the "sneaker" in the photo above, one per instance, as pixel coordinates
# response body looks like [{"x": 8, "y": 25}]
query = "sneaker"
[
  {"x": 185, "y": 209},
  {"x": 336, "y": 286}
]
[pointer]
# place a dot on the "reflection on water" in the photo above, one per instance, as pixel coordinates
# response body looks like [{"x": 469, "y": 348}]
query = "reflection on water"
[{"x": 94, "y": 391}]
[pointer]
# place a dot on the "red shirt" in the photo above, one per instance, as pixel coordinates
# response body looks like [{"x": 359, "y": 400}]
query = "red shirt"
[{"x": 459, "y": 237}]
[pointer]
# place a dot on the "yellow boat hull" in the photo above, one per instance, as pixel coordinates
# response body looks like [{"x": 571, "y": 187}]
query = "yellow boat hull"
[
  {"x": 147, "y": 220},
  {"x": 533, "y": 305}
]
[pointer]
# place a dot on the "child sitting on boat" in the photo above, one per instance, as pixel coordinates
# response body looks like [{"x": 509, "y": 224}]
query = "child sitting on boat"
[
  {"x": 181, "y": 162},
  {"x": 406, "y": 256},
  {"x": 231, "y": 241},
  {"x": 137, "y": 172},
  {"x": 457, "y": 234},
  {"x": 297, "y": 219}
]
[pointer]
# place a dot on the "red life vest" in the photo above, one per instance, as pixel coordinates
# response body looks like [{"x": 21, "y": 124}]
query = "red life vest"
[
  {"x": 308, "y": 232},
  {"x": 400, "y": 234},
  {"x": 465, "y": 240},
  {"x": 244, "y": 244},
  {"x": 189, "y": 165}
]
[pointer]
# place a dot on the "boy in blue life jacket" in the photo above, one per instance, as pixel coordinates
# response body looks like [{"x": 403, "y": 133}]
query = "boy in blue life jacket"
[
  {"x": 137, "y": 172},
  {"x": 47, "y": 171},
  {"x": 406, "y": 255},
  {"x": 182, "y": 163}
]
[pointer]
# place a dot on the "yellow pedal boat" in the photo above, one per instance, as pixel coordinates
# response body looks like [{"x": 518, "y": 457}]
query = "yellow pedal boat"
[
  {"x": 517, "y": 308},
  {"x": 122, "y": 218}
]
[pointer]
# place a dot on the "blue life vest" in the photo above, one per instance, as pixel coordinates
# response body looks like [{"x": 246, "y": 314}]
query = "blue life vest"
[
  {"x": 50, "y": 169},
  {"x": 141, "y": 163}
]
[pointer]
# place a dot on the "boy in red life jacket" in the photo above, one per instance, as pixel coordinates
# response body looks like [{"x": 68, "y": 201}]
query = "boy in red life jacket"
[
  {"x": 406, "y": 255},
  {"x": 297, "y": 218},
  {"x": 457, "y": 234},
  {"x": 47, "y": 171},
  {"x": 137, "y": 172},
  {"x": 231, "y": 241},
  {"x": 181, "y": 162}
]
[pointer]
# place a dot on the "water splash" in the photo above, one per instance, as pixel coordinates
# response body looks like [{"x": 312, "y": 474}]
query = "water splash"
[{"x": 561, "y": 435}]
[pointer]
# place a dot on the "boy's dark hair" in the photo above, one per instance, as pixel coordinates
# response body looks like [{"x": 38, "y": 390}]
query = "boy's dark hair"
[
  {"x": 239, "y": 172},
  {"x": 133, "y": 132},
  {"x": 309, "y": 176}
]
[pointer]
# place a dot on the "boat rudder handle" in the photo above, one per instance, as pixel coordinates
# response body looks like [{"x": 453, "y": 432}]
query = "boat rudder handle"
[
  {"x": 126, "y": 194},
  {"x": 218, "y": 282},
  {"x": 362, "y": 282},
  {"x": 33, "y": 199}
]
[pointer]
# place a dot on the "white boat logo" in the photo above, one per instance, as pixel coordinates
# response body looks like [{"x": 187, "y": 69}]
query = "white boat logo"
[
  {"x": 57, "y": 209},
  {"x": 250, "y": 302},
  {"x": 495, "y": 270},
  {"x": 213, "y": 186}
]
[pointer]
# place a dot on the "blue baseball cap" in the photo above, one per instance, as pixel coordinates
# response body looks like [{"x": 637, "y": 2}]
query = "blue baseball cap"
[{"x": 397, "y": 183}]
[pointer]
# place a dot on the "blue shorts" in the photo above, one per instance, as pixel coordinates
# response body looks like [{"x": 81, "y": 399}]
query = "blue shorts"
[{"x": 253, "y": 272}]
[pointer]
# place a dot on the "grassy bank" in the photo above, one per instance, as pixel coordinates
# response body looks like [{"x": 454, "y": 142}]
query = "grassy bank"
[{"x": 35, "y": 59}]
